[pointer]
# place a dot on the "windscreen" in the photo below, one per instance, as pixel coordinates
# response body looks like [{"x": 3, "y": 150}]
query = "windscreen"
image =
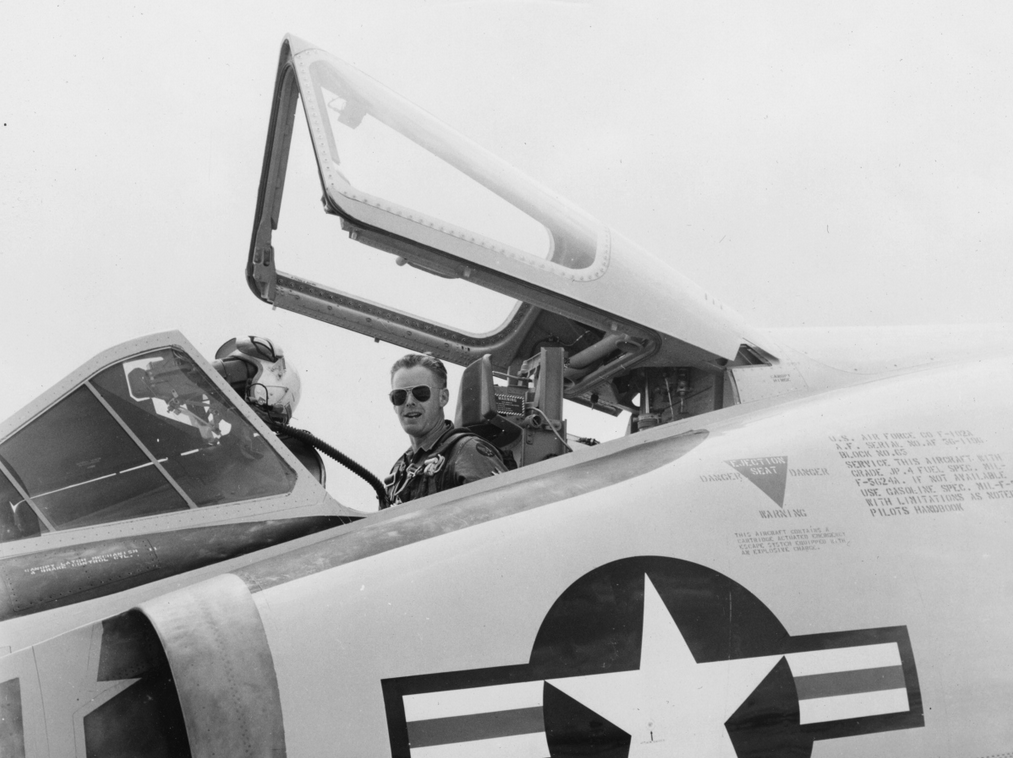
[{"x": 146, "y": 436}]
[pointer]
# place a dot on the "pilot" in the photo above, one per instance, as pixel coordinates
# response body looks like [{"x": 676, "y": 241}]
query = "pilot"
[{"x": 440, "y": 456}]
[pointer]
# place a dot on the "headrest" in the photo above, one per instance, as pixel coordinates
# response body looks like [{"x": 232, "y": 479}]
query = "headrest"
[
  {"x": 476, "y": 406},
  {"x": 476, "y": 400}
]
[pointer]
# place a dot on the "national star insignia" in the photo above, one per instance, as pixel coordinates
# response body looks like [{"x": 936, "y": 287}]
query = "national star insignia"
[{"x": 671, "y": 705}]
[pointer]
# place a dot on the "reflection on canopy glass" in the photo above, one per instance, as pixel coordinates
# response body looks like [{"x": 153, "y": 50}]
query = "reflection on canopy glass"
[{"x": 17, "y": 519}]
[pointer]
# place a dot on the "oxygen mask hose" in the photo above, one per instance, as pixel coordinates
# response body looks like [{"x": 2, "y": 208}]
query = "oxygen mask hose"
[{"x": 344, "y": 460}]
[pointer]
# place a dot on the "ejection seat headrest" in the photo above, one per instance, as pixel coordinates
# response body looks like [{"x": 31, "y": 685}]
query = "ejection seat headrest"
[{"x": 476, "y": 406}]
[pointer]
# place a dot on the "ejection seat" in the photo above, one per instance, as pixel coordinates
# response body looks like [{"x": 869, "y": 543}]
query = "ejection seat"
[
  {"x": 524, "y": 419},
  {"x": 476, "y": 406}
]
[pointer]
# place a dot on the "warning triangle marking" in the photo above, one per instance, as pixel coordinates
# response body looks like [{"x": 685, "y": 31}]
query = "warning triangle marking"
[{"x": 769, "y": 474}]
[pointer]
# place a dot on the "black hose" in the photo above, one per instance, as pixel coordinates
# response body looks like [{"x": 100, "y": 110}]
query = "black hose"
[{"x": 344, "y": 460}]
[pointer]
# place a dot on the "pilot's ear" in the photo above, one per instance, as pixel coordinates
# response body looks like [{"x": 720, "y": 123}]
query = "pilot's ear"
[{"x": 444, "y": 396}]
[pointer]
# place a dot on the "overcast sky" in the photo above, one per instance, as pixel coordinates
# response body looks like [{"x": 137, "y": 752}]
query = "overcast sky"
[{"x": 809, "y": 163}]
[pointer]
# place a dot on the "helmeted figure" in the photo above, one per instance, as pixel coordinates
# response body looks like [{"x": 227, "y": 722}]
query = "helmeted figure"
[{"x": 259, "y": 372}]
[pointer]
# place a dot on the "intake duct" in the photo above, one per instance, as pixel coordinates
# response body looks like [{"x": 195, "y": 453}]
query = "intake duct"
[
  {"x": 187, "y": 675},
  {"x": 145, "y": 718}
]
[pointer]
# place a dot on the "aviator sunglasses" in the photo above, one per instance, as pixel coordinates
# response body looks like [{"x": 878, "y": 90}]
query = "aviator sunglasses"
[{"x": 421, "y": 393}]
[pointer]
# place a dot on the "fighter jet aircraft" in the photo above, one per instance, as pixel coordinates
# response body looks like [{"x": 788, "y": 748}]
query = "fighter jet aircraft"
[{"x": 799, "y": 548}]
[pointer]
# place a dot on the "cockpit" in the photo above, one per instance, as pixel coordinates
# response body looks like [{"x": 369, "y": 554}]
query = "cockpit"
[{"x": 144, "y": 435}]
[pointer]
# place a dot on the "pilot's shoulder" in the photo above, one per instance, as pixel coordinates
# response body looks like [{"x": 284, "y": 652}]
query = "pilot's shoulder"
[{"x": 474, "y": 448}]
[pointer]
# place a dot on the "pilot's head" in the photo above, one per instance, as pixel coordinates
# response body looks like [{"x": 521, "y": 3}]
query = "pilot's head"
[{"x": 419, "y": 393}]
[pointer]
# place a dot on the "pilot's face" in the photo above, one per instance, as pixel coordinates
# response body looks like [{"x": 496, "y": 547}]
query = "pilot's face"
[{"x": 419, "y": 417}]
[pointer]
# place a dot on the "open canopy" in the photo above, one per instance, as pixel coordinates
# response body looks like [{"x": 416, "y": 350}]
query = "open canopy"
[{"x": 403, "y": 183}]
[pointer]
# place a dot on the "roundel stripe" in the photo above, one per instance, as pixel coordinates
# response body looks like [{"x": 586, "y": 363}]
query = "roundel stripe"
[{"x": 645, "y": 650}]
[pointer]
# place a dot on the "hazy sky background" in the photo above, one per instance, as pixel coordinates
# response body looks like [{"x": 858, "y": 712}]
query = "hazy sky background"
[{"x": 814, "y": 164}]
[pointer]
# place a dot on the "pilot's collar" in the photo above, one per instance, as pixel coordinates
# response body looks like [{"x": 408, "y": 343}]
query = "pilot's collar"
[{"x": 432, "y": 438}]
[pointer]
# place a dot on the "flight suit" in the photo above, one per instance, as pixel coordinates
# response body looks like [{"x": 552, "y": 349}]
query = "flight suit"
[{"x": 456, "y": 457}]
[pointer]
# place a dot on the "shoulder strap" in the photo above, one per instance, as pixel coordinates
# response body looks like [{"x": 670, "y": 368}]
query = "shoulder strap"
[{"x": 452, "y": 437}]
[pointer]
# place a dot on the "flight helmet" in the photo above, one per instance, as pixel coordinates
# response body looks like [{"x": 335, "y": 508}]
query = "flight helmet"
[{"x": 262, "y": 376}]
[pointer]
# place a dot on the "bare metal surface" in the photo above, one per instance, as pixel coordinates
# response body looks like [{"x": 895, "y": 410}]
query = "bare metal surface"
[{"x": 222, "y": 665}]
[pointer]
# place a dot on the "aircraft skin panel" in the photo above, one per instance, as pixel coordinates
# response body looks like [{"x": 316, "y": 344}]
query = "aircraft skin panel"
[
  {"x": 870, "y": 351},
  {"x": 47, "y": 579},
  {"x": 21, "y": 632},
  {"x": 532, "y": 487},
  {"x": 845, "y": 567}
]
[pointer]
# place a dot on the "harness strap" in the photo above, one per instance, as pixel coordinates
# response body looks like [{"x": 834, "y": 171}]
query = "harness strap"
[
  {"x": 456, "y": 435},
  {"x": 412, "y": 470}
]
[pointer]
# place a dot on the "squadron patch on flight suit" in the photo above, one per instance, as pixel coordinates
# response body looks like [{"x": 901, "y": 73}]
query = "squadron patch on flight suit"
[
  {"x": 485, "y": 449},
  {"x": 643, "y": 651}
]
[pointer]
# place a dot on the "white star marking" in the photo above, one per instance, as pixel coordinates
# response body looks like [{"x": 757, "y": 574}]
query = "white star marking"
[{"x": 671, "y": 705}]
